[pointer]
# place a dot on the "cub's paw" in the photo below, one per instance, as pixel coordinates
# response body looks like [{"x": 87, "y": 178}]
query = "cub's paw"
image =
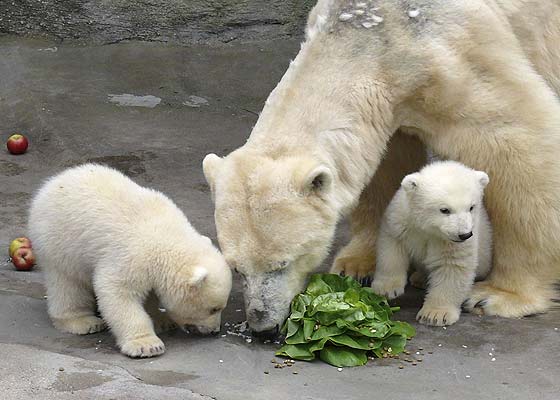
[
  {"x": 148, "y": 346},
  {"x": 80, "y": 325},
  {"x": 389, "y": 288},
  {"x": 438, "y": 316},
  {"x": 418, "y": 280},
  {"x": 360, "y": 268}
]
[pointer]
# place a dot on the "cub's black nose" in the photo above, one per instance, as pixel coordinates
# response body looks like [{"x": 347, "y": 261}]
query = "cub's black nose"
[{"x": 465, "y": 236}]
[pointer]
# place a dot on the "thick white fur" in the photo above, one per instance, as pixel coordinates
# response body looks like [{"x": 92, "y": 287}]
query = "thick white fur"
[
  {"x": 99, "y": 234},
  {"x": 475, "y": 81},
  {"x": 415, "y": 230}
]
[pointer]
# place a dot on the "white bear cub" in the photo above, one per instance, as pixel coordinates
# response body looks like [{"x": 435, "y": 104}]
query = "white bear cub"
[
  {"x": 98, "y": 234},
  {"x": 437, "y": 223}
]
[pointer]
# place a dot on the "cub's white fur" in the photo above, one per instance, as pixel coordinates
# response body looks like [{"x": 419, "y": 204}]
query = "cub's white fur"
[
  {"x": 98, "y": 234},
  {"x": 428, "y": 223}
]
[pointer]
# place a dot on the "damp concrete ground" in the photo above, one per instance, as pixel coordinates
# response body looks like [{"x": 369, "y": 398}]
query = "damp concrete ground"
[{"x": 153, "y": 111}]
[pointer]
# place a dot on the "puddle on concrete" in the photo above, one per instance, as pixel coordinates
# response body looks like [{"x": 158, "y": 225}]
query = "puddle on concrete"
[
  {"x": 163, "y": 378},
  {"x": 22, "y": 288},
  {"x": 130, "y": 100},
  {"x": 131, "y": 164},
  {"x": 195, "y": 101},
  {"x": 67, "y": 382},
  {"x": 11, "y": 169}
]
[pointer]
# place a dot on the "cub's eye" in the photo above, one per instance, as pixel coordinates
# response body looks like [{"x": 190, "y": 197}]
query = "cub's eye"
[
  {"x": 472, "y": 208},
  {"x": 445, "y": 211},
  {"x": 215, "y": 310}
]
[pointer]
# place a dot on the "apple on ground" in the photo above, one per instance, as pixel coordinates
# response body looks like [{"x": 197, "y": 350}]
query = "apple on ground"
[
  {"x": 17, "y": 144},
  {"x": 23, "y": 259},
  {"x": 19, "y": 242}
]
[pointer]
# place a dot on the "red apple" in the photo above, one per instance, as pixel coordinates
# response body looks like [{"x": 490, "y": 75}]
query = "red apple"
[
  {"x": 17, "y": 144},
  {"x": 23, "y": 259},
  {"x": 19, "y": 242}
]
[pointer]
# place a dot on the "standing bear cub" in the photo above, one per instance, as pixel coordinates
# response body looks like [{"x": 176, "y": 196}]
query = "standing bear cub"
[
  {"x": 437, "y": 222},
  {"x": 98, "y": 234}
]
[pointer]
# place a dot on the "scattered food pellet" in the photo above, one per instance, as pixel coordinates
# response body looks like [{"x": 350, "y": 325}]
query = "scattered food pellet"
[
  {"x": 417, "y": 353},
  {"x": 401, "y": 367},
  {"x": 445, "y": 328},
  {"x": 295, "y": 372},
  {"x": 45, "y": 297},
  {"x": 413, "y": 13},
  {"x": 61, "y": 369},
  {"x": 420, "y": 348},
  {"x": 493, "y": 359},
  {"x": 221, "y": 361},
  {"x": 556, "y": 329},
  {"x": 430, "y": 352},
  {"x": 490, "y": 354},
  {"x": 468, "y": 376},
  {"x": 273, "y": 361},
  {"x": 419, "y": 360},
  {"x": 414, "y": 364},
  {"x": 339, "y": 369},
  {"x": 439, "y": 345},
  {"x": 266, "y": 372},
  {"x": 248, "y": 340},
  {"x": 464, "y": 346},
  {"x": 238, "y": 310}
]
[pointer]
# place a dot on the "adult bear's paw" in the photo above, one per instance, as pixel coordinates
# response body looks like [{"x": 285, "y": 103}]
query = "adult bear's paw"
[
  {"x": 486, "y": 299},
  {"x": 359, "y": 267}
]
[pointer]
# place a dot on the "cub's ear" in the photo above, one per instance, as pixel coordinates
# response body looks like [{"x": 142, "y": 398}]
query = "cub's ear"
[
  {"x": 199, "y": 275},
  {"x": 319, "y": 180},
  {"x": 410, "y": 182},
  {"x": 211, "y": 165},
  {"x": 482, "y": 178}
]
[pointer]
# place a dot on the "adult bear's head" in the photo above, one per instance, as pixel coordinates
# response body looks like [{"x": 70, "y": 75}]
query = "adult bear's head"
[
  {"x": 275, "y": 220},
  {"x": 315, "y": 146}
]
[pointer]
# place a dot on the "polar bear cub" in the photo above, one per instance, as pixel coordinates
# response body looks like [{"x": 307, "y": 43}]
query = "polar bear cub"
[
  {"x": 98, "y": 234},
  {"x": 437, "y": 222}
]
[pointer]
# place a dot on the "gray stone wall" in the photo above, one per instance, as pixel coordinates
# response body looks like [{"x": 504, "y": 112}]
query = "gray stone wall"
[{"x": 173, "y": 21}]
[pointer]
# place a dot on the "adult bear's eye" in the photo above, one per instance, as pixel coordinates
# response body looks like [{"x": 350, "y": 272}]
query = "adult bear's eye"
[
  {"x": 472, "y": 208},
  {"x": 445, "y": 211}
]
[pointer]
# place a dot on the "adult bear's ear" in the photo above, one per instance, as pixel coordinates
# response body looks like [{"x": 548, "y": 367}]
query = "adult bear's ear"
[
  {"x": 198, "y": 276},
  {"x": 482, "y": 178},
  {"x": 210, "y": 166},
  {"x": 318, "y": 180},
  {"x": 410, "y": 182}
]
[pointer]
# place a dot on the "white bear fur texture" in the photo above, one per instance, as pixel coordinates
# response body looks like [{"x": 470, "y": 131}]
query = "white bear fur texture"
[
  {"x": 97, "y": 234},
  {"x": 475, "y": 81},
  {"x": 436, "y": 222}
]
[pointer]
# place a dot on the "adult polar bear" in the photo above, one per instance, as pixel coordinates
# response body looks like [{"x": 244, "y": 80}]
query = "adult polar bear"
[{"x": 475, "y": 80}]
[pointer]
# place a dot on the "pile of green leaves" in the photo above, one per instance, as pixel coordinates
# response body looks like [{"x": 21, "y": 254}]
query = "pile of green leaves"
[{"x": 343, "y": 322}]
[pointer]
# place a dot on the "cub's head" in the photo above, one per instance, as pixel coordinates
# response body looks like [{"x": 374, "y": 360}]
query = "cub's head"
[
  {"x": 444, "y": 197},
  {"x": 196, "y": 294},
  {"x": 275, "y": 221}
]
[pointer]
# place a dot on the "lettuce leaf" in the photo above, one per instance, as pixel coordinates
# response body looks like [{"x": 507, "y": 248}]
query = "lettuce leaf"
[{"x": 343, "y": 322}]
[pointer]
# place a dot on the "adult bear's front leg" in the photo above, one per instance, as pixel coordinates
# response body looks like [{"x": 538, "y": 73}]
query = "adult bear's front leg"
[{"x": 405, "y": 154}]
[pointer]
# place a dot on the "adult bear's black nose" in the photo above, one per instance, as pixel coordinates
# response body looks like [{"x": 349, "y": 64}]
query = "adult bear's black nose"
[{"x": 465, "y": 236}]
